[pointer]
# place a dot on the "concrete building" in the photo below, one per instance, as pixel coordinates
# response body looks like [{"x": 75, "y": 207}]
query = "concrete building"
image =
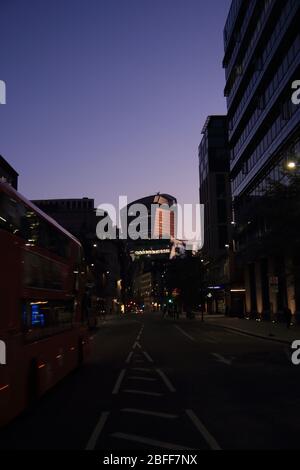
[{"x": 261, "y": 61}]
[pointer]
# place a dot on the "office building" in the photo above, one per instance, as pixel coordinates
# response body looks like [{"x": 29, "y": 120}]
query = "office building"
[
  {"x": 261, "y": 61},
  {"x": 214, "y": 194}
]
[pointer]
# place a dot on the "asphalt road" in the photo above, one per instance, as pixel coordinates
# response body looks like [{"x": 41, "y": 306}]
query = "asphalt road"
[{"x": 158, "y": 384}]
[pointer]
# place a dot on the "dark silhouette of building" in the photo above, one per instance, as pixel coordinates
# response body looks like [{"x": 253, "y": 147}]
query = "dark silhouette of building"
[
  {"x": 105, "y": 258},
  {"x": 215, "y": 195},
  {"x": 8, "y": 173},
  {"x": 262, "y": 59}
]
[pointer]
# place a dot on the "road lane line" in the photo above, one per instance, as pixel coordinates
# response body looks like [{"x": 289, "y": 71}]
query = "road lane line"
[
  {"x": 222, "y": 359},
  {"x": 142, "y": 369},
  {"x": 210, "y": 440},
  {"x": 166, "y": 380},
  {"x": 210, "y": 339},
  {"x": 129, "y": 357},
  {"x": 119, "y": 382},
  {"x": 149, "y": 413},
  {"x": 142, "y": 392},
  {"x": 136, "y": 344},
  {"x": 207, "y": 340},
  {"x": 145, "y": 379},
  {"x": 147, "y": 356},
  {"x": 151, "y": 442},
  {"x": 184, "y": 333},
  {"x": 97, "y": 431}
]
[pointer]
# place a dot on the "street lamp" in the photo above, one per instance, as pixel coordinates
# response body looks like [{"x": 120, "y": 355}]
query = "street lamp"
[{"x": 291, "y": 165}]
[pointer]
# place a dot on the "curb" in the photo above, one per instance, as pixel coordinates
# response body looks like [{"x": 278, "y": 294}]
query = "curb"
[{"x": 247, "y": 333}]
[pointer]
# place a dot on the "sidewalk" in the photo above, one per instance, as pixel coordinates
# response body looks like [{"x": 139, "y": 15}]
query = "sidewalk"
[{"x": 266, "y": 330}]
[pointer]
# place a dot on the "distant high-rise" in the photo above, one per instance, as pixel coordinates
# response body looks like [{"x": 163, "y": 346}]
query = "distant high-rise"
[
  {"x": 150, "y": 252},
  {"x": 158, "y": 222}
]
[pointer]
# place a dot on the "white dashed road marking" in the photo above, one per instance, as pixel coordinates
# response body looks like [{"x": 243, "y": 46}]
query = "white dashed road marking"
[
  {"x": 185, "y": 333},
  {"x": 97, "y": 431},
  {"x": 203, "y": 431},
  {"x": 222, "y": 359}
]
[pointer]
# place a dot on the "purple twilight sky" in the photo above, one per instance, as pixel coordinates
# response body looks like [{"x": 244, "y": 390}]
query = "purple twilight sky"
[{"x": 108, "y": 97}]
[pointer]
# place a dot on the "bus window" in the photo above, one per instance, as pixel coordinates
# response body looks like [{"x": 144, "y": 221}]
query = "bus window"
[
  {"x": 53, "y": 240},
  {"x": 12, "y": 214},
  {"x": 42, "y": 273},
  {"x": 49, "y": 316},
  {"x": 24, "y": 222}
]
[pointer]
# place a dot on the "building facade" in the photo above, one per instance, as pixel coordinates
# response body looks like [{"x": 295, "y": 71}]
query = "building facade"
[
  {"x": 8, "y": 173},
  {"x": 103, "y": 257},
  {"x": 215, "y": 195},
  {"x": 152, "y": 250},
  {"x": 261, "y": 61}
]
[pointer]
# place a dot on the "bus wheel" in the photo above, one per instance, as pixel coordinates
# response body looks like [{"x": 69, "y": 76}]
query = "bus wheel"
[{"x": 33, "y": 381}]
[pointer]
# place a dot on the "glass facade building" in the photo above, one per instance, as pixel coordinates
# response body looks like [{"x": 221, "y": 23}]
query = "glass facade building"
[{"x": 261, "y": 61}]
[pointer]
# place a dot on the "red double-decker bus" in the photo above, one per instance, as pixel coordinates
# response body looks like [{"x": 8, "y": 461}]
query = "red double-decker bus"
[{"x": 43, "y": 332}]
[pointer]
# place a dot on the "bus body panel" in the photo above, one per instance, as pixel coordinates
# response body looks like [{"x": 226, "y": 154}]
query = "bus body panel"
[{"x": 41, "y": 318}]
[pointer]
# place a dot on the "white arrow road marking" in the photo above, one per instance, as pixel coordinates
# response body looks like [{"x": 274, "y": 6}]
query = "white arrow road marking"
[
  {"x": 145, "y": 379},
  {"x": 119, "y": 382},
  {"x": 129, "y": 357},
  {"x": 166, "y": 380},
  {"x": 139, "y": 360},
  {"x": 142, "y": 392},
  {"x": 149, "y": 413},
  {"x": 150, "y": 442},
  {"x": 147, "y": 356},
  {"x": 142, "y": 369}
]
